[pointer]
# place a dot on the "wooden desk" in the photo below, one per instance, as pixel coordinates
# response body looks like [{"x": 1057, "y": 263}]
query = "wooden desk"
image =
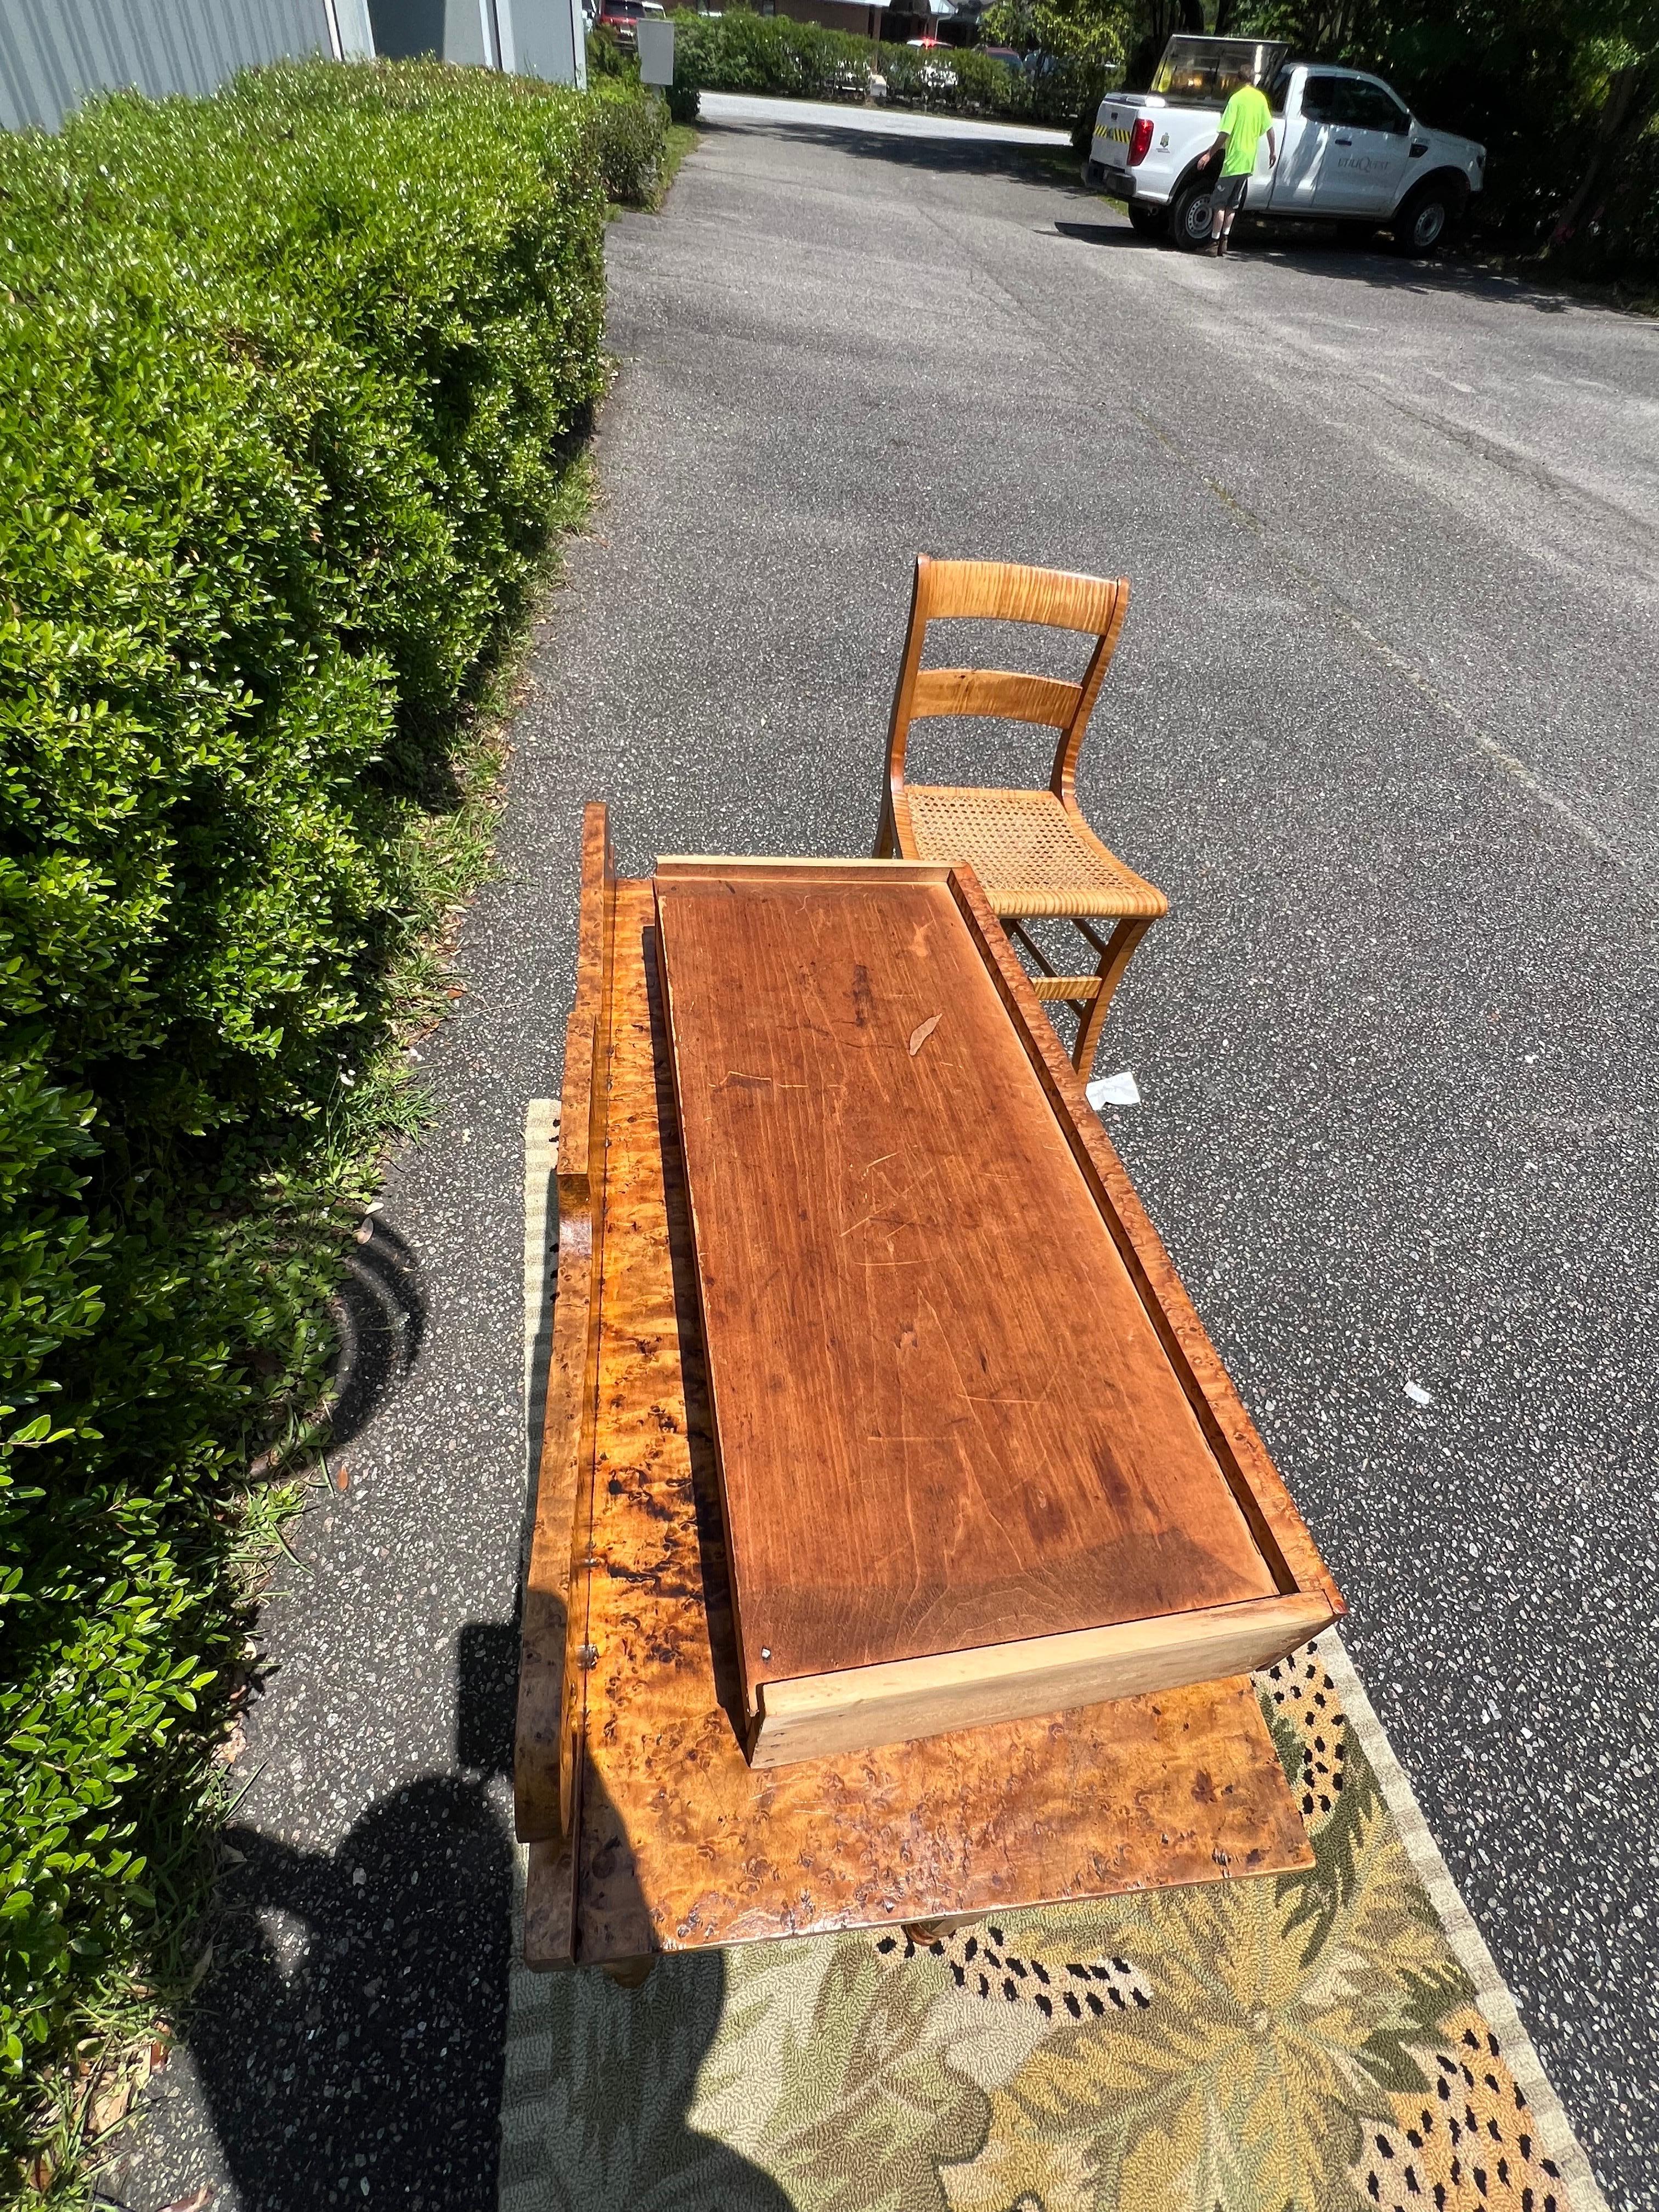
[
  {"x": 977, "y": 1460},
  {"x": 649, "y": 1830}
]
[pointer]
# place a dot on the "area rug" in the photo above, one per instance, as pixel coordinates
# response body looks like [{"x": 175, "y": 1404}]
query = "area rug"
[{"x": 1315, "y": 2042}]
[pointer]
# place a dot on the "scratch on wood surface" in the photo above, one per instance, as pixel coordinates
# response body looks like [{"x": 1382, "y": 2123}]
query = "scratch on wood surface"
[{"x": 922, "y": 1031}]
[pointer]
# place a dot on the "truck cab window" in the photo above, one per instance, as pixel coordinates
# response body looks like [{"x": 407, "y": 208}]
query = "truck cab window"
[
  {"x": 1364, "y": 106},
  {"x": 1319, "y": 99}
]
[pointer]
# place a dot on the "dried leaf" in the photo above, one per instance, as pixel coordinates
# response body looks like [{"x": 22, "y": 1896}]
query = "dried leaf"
[
  {"x": 108, "y": 2107},
  {"x": 197, "y": 2200},
  {"x": 922, "y": 1031},
  {"x": 342, "y": 1476}
]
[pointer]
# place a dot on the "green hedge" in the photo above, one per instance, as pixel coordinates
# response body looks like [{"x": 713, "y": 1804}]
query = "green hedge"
[
  {"x": 740, "y": 52},
  {"x": 631, "y": 123},
  {"x": 289, "y": 380}
]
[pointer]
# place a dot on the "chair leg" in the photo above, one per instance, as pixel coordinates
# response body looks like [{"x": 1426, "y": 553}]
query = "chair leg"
[
  {"x": 1114, "y": 959},
  {"x": 886, "y": 836}
]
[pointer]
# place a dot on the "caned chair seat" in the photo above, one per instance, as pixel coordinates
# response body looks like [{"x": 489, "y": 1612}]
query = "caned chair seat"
[
  {"x": 1035, "y": 855},
  {"x": 1032, "y": 856}
]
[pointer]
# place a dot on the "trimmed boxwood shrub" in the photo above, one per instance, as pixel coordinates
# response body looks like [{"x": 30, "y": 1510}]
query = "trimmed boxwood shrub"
[
  {"x": 289, "y": 378},
  {"x": 742, "y": 51},
  {"x": 631, "y": 123}
]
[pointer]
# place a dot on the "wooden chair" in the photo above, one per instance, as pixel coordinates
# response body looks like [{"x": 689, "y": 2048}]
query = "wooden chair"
[{"x": 1034, "y": 854}]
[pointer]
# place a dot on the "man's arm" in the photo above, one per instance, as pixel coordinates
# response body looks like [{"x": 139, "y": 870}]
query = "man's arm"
[
  {"x": 1272, "y": 151},
  {"x": 1219, "y": 146}
]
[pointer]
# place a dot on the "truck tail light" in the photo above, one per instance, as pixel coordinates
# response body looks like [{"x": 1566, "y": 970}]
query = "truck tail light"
[{"x": 1140, "y": 140}]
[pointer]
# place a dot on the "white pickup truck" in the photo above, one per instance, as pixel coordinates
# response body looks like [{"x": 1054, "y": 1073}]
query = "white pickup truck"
[{"x": 1350, "y": 150}]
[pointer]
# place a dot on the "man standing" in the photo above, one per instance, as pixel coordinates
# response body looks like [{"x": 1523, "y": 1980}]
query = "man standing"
[{"x": 1245, "y": 118}]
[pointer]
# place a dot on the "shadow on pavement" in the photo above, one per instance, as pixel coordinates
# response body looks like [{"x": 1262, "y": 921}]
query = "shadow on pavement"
[
  {"x": 1382, "y": 269},
  {"x": 380, "y": 1311},
  {"x": 1315, "y": 252},
  {"x": 350, "y": 2039},
  {"x": 1311, "y": 249},
  {"x": 1051, "y": 165},
  {"x": 1101, "y": 233}
]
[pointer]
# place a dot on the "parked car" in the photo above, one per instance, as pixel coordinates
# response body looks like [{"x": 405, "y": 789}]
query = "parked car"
[
  {"x": 1350, "y": 150},
  {"x": 618, "y": 17},
  {"x": 936, "y": 76}
]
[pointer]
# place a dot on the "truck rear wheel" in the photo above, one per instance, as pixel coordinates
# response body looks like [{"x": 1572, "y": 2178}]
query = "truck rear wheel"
[
  {"x": 1189, "y": 218},
  {"x": 1149, "y": 222}
]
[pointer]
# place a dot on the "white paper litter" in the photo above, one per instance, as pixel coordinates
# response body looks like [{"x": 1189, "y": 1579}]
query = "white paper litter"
[
  {"x": 1418, "y": 1394},
  {"x": 1114, "y": 1091}
]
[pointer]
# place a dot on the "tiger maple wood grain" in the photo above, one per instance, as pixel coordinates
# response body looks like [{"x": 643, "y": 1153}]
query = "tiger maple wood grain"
[{"x": 944, "y": 1418}]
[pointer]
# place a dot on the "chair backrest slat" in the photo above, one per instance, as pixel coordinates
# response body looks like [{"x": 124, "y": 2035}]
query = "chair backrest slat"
[
  {"x": 994, "y": 691},
  {"x": 1003, "y": 591}
]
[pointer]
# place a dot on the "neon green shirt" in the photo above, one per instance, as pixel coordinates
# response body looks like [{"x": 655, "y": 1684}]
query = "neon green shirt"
[{"x": 1245, "y": 117}]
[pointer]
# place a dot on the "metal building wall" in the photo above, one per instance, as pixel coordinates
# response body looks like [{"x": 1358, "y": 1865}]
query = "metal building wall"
[
  {"x": 530, "y": 37},
  {"x": 54, "y": 52},
  {"x": 550, "y": 39}
]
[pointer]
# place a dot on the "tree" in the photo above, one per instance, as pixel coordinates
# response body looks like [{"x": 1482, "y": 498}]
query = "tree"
[
  {"x": 1618, "y": 67},
  {"x": 1093, "y": 34}
]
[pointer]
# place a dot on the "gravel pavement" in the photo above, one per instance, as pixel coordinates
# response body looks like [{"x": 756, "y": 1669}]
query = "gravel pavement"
[{"x": 1382, "y": 725}]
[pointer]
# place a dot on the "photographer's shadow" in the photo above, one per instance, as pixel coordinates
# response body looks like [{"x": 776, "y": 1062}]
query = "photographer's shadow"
[{"x": 350, "y": 2039}]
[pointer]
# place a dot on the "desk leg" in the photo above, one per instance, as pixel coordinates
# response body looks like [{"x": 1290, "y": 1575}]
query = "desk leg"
[
  {"x": 924, "y": 1932},
  {"x": 629, "y": 1974}
]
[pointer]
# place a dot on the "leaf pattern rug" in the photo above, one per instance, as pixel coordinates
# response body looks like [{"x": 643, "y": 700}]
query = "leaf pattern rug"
[
  {"x": 1335, "y": 2040},
  {"x": 1306, "y": 2042}
]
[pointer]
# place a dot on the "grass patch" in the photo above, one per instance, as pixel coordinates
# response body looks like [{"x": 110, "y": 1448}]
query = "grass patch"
[{"x": 678, "y": 140}]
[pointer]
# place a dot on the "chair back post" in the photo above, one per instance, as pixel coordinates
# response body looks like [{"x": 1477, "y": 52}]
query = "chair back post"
[
  {"x": 1063, "y": 782},
  {"x": 898, "y": 729}
]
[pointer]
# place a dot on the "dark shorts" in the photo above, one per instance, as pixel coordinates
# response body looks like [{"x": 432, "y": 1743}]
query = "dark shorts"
[{"x": 1229, "y": 192}]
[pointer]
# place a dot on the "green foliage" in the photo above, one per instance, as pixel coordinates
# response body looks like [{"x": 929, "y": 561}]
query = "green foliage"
[
  {"x": 1564, "y": 94},
  {"x": 628, "y": 125},
  {"x": 740, "y": 52},
  {"x": 288, "y": 384},
  {"x": 1092, "y": 34},
  {"x": 606, "y": 57}
]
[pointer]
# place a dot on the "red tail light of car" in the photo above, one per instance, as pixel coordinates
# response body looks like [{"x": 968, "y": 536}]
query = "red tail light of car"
[{"x": 1140, "y": 140}]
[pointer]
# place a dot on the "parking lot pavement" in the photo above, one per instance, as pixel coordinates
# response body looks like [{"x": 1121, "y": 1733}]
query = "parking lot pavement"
[{"x": 1381, "y": 727}]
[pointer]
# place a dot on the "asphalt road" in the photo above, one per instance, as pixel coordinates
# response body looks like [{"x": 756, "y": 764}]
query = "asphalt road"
[{"x": 1382, "y": 725}]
